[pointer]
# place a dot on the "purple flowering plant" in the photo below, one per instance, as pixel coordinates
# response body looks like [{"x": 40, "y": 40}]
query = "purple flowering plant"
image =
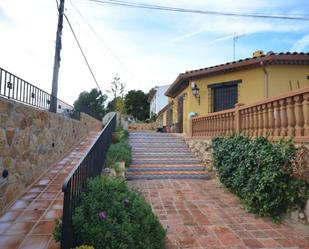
[
  {"x": 102, "y": 215},
  {"x": 125, "y": 201}
]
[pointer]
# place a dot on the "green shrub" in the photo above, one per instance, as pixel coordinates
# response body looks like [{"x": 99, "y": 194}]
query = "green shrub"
[
  {"x": 259, "y": 172},
  {"x": 119, "y": 152},
  {"x": 120, "y": 136},
  {"x": 112, "y": 216},
  {"x": 58, "y": 230},
  {"x": 85, "y": 247}
]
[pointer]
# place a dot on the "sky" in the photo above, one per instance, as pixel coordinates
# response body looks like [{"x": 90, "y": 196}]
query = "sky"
[{"x": 146, "y": 48}]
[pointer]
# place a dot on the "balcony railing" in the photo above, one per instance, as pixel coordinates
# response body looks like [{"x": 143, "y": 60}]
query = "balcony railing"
[
  {"x": 15, "y": 88},
  {"x": 284, "y": 116},
  {"x": 89, "y": 166}
]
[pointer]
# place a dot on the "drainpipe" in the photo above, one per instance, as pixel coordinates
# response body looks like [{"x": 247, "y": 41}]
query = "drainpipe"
[{"x": 265, "y": 79}]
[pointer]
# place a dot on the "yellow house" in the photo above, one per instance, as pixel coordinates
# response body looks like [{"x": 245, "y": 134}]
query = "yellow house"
[{"x": 220, "y": 87}]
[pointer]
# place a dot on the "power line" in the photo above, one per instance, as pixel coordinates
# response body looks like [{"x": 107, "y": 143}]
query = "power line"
[
  {"x": 101, "y": 39},
  {"x": 84, "y": 56},
  {"x": 197, "y": 11}
]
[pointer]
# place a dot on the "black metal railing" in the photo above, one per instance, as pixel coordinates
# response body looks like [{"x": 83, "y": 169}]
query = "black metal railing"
[
  {"x": 13, "y": 87},
  {"x": 89, "y": 166}
]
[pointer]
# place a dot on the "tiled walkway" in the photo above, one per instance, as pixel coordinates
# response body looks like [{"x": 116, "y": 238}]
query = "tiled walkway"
[
  {"x": 202, "y": 214},
  {"x": 29, "y": 222}
]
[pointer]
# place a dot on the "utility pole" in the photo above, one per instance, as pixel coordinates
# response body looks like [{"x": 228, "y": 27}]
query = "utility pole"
[{"x": 57, "y": 59}]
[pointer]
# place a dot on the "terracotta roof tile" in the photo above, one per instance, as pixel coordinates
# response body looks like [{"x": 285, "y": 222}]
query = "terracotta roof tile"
[{"x": 270, "y": 58}]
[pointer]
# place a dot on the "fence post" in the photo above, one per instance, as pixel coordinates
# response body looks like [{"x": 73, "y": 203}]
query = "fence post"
[{"x": 238, "y": 118}]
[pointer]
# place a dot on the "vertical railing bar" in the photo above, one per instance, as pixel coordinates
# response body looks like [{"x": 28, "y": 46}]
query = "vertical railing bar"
[
  {"x": 5, "y": 83},
  {"x": 16, "y": 84},
  {"x": 0, "y": 80}
]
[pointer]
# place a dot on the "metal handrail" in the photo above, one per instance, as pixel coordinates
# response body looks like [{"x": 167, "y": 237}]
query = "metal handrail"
[{"x": 88, "y": 167}]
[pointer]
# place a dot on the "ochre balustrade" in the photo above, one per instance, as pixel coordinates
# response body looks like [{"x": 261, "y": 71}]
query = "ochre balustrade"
[{"x": 285, "y": 116}]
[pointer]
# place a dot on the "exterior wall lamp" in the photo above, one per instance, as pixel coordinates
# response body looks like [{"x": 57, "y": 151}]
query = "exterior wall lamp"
[{"x": 196, "y": 92}]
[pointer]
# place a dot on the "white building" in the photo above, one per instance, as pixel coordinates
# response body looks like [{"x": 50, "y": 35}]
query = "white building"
[{"x": 157, "y": 99}]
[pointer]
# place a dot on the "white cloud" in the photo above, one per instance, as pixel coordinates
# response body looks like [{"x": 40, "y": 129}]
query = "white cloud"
[
  {"x": 27, "y": 41},
  {"x": 300, "y": 45}
]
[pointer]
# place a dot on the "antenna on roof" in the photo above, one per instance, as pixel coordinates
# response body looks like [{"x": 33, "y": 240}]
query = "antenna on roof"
[{"x": 235, "y": 39}]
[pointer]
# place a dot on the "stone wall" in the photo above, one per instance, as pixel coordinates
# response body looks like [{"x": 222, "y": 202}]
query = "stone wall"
[
  {"x": 90, "y": 122},
  {"x": 31, "y": 140},
  {"x": 142, "y": 127},
  {"x": 202, "y": 149}
]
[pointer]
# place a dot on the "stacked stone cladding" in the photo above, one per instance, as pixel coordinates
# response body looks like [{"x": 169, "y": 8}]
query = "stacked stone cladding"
[{"x": 31, "y": 140}]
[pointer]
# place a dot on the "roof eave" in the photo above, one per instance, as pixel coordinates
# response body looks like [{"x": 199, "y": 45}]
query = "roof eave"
[{"x": 234, "y": 66}]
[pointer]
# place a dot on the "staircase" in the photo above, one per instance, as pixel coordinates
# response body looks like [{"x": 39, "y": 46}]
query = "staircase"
[{"x": 162, "y": 156}]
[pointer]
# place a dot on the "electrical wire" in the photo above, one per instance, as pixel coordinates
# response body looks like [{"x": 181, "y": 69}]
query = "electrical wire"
[
  {"x": 101, "y": 39},
  {"x": 197, "y": 11},
  {"x": 81, "y": 49}
]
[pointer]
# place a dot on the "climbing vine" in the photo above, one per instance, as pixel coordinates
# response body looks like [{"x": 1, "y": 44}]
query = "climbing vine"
[{"x": 260, "y": 173}]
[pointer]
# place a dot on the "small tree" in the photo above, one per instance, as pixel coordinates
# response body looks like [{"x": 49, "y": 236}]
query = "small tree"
[
  {"x": 136, "y": 104},
  {"x": 92, "y": 101},
  {"x": 117, "y": 87}
]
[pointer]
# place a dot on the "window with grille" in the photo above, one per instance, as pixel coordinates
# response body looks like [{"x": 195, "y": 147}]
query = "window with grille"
[{"x": 223, "y": 96}]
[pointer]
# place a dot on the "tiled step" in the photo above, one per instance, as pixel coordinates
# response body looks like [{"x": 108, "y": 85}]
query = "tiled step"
[
  {"x": 160, "y": 165},
  {"x": 152, "y": 135},
  {"x": 162, "y": 155},
  {"x": 166, "y": 168},
  {"x": 167, "y": 161},
  {"x": 159, "y": 149},
  {"x": 167, "y": 176},
  {"x": 168, "y": 139},
  {"x": 159, "y": 145}
]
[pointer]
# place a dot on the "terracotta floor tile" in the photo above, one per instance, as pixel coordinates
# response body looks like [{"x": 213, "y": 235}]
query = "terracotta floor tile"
[
  {"x": 30, "y": 215},
  {"x": 47, "y": 196},
  {"x": 4, "y": 227},
  {"x": 269, "y": 243},
  {"x": 35, "y": 242},
  {"x": 39, "y": 204},
  {"x": 37, "y": 189},
  {"x": 53, "y": 188},
  {"x": 20, "y": 228},
  {"x": 20, "y": 204},
  {"x": 10, "y": 242},
  {"x": 43, "y": 182},
  {"x": 29, "y": 196},
  {"x": 52, "y": 214},
  {"x": 253, "y": 243},
  {"x": 10, "y": 216},
  {"x": 57, "y": 204},
  {"x": 43, "y": 227},
  {"x": 53, "y": 245}
]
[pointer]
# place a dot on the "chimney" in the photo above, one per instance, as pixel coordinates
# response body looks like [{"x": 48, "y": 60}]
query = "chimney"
[{"x": 257, "y": 53}]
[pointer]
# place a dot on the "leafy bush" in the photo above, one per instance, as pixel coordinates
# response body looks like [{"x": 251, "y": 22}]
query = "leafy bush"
[
  {"x": 260, "y": 173},
  {"x": 120, "y": 136},
  {"x": 85, "y": 247},
  {"x": 119, "y": 152},
  {"x": 58, "y": 230},
  {"x": 112, "y": 216}
]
